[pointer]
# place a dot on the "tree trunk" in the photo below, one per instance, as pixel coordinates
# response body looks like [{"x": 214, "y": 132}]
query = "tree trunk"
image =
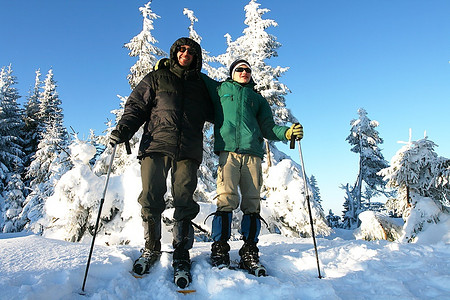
[{"x": 408, "y": 199}]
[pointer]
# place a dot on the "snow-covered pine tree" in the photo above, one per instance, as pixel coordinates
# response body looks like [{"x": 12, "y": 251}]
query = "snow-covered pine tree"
[
  {"x": 11, "y": 152},
  {"x": 11, "y": 125},
  {"x": 122, "y": 159},
  {"x": 284, "y": 206},
  {"x": 333, "y": 220},
  {"x": 350, "y": 216},
  {"x": 100, "y": 148},
  {"x": 142, "y": 46},
  {"x": 364, "y": 139},
  {"x": 13, "y": 199},
  {"x": 315, "y": 191},
  {"x": 51, "y": 113},
  {"x": 50, "y": 161},
  {"x": 32, "y": 121},
  {"x": 442, "y": 181},
  {"x": 219, "y": 74},
  {"x": 257, "y": 46},
  {"x": 208, "y": 168},
  {"x": 421, "y": 178},
  {"x": 69, "y": 208}
]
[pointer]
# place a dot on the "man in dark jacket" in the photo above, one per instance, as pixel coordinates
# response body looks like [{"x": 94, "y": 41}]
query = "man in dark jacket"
[{"x": 173, "y": 104}]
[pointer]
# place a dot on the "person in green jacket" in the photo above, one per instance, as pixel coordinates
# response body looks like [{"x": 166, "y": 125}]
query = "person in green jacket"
[{"x": 242, "y": 119}]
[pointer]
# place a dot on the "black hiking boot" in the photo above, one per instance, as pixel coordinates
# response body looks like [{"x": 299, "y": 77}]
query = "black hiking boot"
[
  {"x": 181, "y": 267},
  {"x": 250, "y": 259},
  {"x": 148, "y": 258},
  {"x": 220, "y": 256},
  {"x": 182, "y": 273}
]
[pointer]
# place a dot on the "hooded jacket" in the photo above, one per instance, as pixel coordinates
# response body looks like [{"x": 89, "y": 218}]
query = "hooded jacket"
[
  {"x": 243, "y": 118},
  {"x": 173, "y": 104}
]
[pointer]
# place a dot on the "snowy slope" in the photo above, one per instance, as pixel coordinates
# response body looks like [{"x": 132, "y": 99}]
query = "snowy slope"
[{"x": 34, "y": 267}]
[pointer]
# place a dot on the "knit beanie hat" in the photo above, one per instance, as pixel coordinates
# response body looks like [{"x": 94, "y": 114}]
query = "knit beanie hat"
[{"x": 236, "y": 64}]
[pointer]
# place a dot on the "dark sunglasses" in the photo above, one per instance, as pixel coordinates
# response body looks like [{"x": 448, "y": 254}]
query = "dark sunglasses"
[
  {"x": 248, "y": 70},
  {"x": 183, "y": 49}
]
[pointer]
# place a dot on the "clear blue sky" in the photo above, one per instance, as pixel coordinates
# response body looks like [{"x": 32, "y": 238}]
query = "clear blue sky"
[{"x": 389, "y": 57}]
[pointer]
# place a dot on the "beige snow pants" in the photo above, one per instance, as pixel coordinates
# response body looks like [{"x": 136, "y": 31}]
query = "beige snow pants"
[{"x": 243, "y": 171}]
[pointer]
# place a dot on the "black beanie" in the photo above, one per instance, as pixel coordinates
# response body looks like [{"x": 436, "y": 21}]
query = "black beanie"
[{"x": 237, "y": 62}]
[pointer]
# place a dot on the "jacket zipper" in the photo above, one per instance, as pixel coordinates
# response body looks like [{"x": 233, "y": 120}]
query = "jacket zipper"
[{"x": 238, "y": 118}]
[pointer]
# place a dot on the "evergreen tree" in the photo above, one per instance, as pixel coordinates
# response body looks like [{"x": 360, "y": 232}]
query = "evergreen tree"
[
  {"x": 11, "y": 125},
  {"x": 315, "y": 191},
  {"x": 421, "y": 178},
  {"x": 11, "y": 151},
  {"x": 122, "y": 160},
  {"x": 365, "y": 139},
  {"x": 143, "y": 47},
  {"x": 50, "y": 161},
  {"x": 71, "y": 192},
  {"x": 285, "y": 206},
  {"x": 50, "y": 112},
  {"x": 366, "y": 198},
  {"x": 13, "y": 199},
  {"x": 257, "y": 46},
  {"x": 32, "y": 120},
  {"x": 333, "y": 220},
  {"x": 350, "y": 213},
  {"x": 100, "y": 148},
  {"x": 219, "y": 74},
  {"x": 208, "y": 168}
]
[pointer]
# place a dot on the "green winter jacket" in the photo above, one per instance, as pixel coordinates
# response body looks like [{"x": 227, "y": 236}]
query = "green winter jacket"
[{"x": 242, "y": 118}]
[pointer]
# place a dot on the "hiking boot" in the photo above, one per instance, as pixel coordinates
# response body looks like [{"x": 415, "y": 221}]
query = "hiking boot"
[
  {"x": 250, "y": 259},
  {"x": 220, "y": 256},
  {"x": 148, "y": 258},
  {"x": 182, "y": 273}
]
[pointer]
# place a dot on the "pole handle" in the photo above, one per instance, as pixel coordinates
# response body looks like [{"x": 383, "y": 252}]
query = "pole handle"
[
  {"x": 127, "y": 146},
  {"x": 292, "y": 144},
  {"x": 293, "y": 139}
]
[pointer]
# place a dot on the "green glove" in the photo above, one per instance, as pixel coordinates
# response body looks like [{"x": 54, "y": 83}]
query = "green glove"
[{"x": 296, "y": 131}]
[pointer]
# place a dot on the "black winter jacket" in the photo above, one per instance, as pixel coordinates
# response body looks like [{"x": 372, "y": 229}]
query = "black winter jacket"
[{"x": 173, "y": 104}]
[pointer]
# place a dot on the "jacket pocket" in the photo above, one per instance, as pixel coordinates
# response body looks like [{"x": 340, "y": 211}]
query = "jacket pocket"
[{"x": 226, "y": 97}]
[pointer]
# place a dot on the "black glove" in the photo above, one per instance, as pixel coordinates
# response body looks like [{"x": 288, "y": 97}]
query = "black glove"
[{"x": 119, "y": 135}]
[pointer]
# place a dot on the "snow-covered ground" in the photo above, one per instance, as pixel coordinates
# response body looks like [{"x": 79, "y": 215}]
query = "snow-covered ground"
[
  {"x": 47, "y": 267},
  {"x": 34, "y": 267}
]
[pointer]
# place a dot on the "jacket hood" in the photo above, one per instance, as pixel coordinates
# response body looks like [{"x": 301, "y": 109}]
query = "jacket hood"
[{"x": 197, "y": 60}]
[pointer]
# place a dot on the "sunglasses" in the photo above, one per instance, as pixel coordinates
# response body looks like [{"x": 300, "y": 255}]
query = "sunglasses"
[
  {"x": 183, "y": 49},
  {"x": 248, "y": 70}
]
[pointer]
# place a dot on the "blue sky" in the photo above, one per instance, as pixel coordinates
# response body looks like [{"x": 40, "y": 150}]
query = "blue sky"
[{"x": 389, "y": 57}]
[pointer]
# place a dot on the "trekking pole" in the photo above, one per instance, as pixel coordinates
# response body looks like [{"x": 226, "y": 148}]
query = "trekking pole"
[
  {"x": 98, "y": 216},
  {"x": 292, "y": 146}
]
